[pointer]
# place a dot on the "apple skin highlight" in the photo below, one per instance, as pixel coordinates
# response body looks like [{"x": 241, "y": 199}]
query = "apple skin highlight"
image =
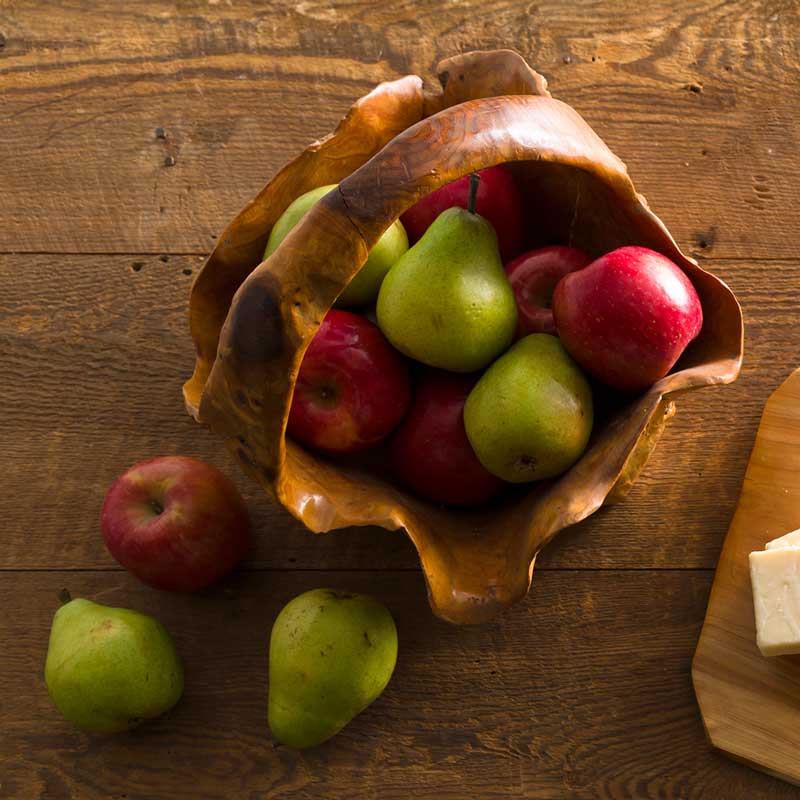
[{"x": 627, "y": 317}]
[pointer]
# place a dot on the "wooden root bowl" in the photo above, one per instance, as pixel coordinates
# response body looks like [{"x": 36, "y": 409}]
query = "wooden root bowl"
[{"x": 252, "y": 320}]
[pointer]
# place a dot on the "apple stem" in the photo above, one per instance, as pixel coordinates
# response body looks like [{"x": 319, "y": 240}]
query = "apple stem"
[
  {"x": 65, "y": 597},
  {"x": 157, "y": 506},
  {"x": 474, "y": 180}
]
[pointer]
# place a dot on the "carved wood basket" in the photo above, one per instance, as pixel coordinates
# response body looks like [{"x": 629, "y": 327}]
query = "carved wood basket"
[{"x": 251, "y": 320}]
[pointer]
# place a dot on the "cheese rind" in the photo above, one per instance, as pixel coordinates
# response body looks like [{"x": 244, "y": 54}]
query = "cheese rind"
[
  {"x": 775, "y": 576},
  {"x": 791, "y": 539}
]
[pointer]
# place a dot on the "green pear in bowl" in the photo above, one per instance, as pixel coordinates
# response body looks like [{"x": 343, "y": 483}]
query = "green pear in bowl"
[
  {"x": 530, "y": 415},
  {"x": 331, "y": 654},
  {"x": 363, "y": 289},
  {"x": 110, "y": 669},
  {"x": 447, "y": 302}
]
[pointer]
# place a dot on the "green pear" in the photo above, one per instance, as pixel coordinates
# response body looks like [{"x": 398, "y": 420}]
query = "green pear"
[
  {"x": 363, "y": 289},
  {"x": 447, "y": 302},
  {"x": 331, "y": 654},
  {"x": 109, "y": 669},
  {"x": 530, "y": 415}
]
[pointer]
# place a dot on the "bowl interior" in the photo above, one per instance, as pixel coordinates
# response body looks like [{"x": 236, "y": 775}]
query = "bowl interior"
[{"x": 563, "y": 205}]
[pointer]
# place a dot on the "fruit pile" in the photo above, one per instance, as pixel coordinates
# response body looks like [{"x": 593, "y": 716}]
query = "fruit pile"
[{"x": 474, "y": 361}]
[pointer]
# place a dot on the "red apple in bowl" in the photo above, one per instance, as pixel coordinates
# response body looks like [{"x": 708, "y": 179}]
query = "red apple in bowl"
[
  {"x": 175, "y": 522},
  {"x": 533, "y": 278},
  {"x": 498, "y": 200},
  {"x": 352, "y": 389},
  {"x": 430, "y": 451},
  {"x": 627, "y": 317}
]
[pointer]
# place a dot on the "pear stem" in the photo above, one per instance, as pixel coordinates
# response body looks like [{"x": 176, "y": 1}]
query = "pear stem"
[
  {"x": 65, "y": 597},
  {"x": 474, "y": 180}
]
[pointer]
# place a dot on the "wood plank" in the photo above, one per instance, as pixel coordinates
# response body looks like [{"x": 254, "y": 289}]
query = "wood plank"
[
  {"x": 582, "y": 691},
  {"x": 96, "y": 348},
  {"x": 751, "y": 704},
  {"x": 697, "y": 97}
]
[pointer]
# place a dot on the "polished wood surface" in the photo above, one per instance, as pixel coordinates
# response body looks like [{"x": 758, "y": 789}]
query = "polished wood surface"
[
  {"x": 581, "y": 691},
  {"x": 751, "y": 704}
]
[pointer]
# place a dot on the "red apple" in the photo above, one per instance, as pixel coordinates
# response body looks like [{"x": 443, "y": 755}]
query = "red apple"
[
  {"x": 627, "y": 317},
  {"x": 352, "y": 389},
  {"x": 498, "y": 200},
  {"x": 175, "y": 522},
  {"x": 533, "y": 277},
  {"x": 431, "y": 453}
]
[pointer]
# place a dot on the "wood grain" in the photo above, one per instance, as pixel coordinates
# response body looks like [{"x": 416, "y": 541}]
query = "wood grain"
[
  {"x": 697, "y": 97},
  {"x": 95, "y": 349},
  {"x": 751, "y": 704},
  {"x": 469, "y": 712}
]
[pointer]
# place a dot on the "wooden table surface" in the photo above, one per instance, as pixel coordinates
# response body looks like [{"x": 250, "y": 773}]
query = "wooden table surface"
[{"x": 581, "y": 691}]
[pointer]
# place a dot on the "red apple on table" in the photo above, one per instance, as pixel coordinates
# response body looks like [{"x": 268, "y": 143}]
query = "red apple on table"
[
  {"x": 627, "y": 317},
  {"x": 430, "y": 451},
  {"x": 352, "y": 389},
  {"x": 498, "y": 200},
  {"x": 176, "y": 523},
  {"x": 533, "y": 277}
]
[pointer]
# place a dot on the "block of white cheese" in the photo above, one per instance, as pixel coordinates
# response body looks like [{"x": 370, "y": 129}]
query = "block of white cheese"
[
  {"x": 775, "y": 575},
  {"x": 789, "y": 540}
]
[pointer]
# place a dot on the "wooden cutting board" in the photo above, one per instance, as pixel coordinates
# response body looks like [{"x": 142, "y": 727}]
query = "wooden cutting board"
[{"x": 751, "y": 704}]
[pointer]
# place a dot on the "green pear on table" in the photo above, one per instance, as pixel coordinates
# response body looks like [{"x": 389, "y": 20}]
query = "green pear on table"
[
  {"x": 363, "y": 289},
  {"x": 447, "y": 302},
  {"x": 530, "y": 415},
  {"x": 331, "y": 654},
  {"x": 109, "y": 669}
]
